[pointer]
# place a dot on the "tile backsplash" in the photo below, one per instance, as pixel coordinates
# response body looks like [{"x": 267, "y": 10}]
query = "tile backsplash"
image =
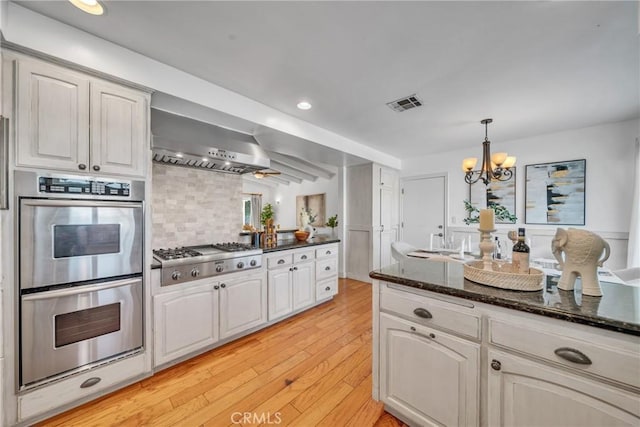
[{"x": 194, "y": 207}]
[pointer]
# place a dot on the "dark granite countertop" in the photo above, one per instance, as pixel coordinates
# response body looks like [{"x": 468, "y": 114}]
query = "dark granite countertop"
[
  {"x": 296, "y": 244},
  {"x": 617, "y": 310}
]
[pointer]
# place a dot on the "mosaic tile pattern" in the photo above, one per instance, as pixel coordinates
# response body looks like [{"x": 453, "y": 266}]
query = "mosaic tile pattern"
[{"x": 194, "y": 207}]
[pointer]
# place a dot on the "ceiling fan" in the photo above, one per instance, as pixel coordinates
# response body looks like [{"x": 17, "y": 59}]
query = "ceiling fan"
[{"x": 265, "y": 173}]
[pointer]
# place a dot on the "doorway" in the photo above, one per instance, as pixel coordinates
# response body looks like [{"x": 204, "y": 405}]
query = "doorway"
[{"x": 423, "y": 209}]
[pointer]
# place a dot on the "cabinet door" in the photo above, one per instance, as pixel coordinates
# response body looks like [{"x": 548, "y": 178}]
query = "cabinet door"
[
  {"x": 521, "y": 392},
  {"x": 184, "y": 321},
  {"x": 304, "y": 286},
  {"x": 243, "y": 304},
  {"x": 52, "y": 128},
  {"x": 280, "y": 292},
  {"x": 118, "y": 129},
  {"x": 428, "y": 376}
]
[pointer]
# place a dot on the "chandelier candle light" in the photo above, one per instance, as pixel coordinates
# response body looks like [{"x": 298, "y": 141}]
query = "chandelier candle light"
[
  {"x": 496, "y": 167},
  {"x": 487, "y": 226}
]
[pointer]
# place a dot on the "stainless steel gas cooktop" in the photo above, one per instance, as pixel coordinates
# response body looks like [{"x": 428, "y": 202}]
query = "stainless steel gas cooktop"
[{"x": 188, "y": 263}]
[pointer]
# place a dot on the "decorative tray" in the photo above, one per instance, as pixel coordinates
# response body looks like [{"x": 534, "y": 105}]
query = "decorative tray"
[{"x": 503, "y": 276}]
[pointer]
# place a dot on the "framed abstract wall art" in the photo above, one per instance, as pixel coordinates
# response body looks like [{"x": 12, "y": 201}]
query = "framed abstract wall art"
[
  {"x": 496, "y": 193},
  {"x": 555, "y": 193}
]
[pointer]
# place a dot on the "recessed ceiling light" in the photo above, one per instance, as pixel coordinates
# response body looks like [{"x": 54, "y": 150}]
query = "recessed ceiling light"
[
  {"x": 90, "y": 6},
  {"x": 304, "y": 105}
]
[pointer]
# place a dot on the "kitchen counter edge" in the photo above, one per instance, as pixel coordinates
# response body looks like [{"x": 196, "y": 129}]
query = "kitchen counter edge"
[
  {"x": 295, "y": 244},
  {"x": 598, "y": 322}
]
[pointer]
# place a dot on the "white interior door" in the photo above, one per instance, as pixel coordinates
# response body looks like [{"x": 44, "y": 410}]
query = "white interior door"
[{"x": 423, "y": 209}]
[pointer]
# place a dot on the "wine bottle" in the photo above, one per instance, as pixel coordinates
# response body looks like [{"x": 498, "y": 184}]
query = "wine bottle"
[{"x": 520, "y": 254}]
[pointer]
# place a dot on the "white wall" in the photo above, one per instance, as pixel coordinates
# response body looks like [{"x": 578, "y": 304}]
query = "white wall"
[{"x": 607, "y": 148}]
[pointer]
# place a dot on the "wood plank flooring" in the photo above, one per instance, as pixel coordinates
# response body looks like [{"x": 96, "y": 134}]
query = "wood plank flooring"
[{"x": 313, "y": 369}]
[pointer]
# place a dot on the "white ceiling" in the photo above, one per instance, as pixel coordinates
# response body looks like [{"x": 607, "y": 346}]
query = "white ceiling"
[{"x": 534, "y": 67}]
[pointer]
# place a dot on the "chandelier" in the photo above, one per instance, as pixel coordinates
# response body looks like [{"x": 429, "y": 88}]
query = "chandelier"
[{"x": 496, "y": 167}]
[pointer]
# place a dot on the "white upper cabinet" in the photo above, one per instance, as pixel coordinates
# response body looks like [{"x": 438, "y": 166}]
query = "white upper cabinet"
[
  {"x": 74, "y": 122},
  {"x": 52, "y": 117},
  {"x": 118, "y": 122}
]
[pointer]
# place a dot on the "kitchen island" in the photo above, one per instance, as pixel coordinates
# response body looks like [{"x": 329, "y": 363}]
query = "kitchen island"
[{"x": 448, "y": 351}]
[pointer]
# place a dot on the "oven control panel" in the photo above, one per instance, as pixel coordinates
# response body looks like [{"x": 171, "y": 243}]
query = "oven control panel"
[{"x": 83, "y": 186}]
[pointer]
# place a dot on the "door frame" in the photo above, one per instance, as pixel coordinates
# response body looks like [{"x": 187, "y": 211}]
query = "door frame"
[{"x": 404, "y": 179}]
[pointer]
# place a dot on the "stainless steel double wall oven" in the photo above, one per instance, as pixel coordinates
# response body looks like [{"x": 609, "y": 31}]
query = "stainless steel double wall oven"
[{"x": 81, "y": 243}]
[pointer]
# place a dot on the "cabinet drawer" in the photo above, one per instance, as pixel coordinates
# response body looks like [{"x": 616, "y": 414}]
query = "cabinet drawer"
[
  {"x": 618, "y": 364},
  {"x": 431, "y": 312},
  {"x": 326, "y": 288},
  {"x": 70, "y": 390},
  {"x": 326, "y": 268},
  {"x": 327, "y": 251},
  {"x": 279, "y": 261},
  {"x": 304, "y": 256}
]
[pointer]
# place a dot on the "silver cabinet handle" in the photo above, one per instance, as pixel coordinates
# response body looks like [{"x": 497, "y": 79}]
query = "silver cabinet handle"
[
  {"x": 327, "y": 268},
  {"x": 65, "y": 292},
  {"x": 496, "y": 365},
  {"x": 303, "y": 257},
  {"x": 573, "y": 355},
  {"x": 422, "y": 312},
  {"x": 414, "y": 331},
  {"x": 280, "y": 261},
  {"x": 90, "y": 382}
]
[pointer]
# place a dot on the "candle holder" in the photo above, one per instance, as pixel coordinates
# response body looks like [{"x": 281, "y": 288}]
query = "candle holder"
[{"x": 486, "y": 248}]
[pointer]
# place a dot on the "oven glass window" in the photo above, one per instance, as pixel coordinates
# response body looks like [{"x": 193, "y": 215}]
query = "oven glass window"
[
  {"x": 90, "y": 239},
  {"x": 85, "y": 324}
]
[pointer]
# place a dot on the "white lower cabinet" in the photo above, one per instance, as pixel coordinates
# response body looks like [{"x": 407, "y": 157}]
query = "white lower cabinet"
[
  {"x": 535, "y": 370},
  {"x": 525, "y": 393},
  {"x": 186, "y": 320},
  {"x": 243, "y": 304},
  {"x": 430, "y": 377},
  {"x": 195, "y": 317},
  {"x": 303, "y": 285},
  {"x": 280, "y": 292}
]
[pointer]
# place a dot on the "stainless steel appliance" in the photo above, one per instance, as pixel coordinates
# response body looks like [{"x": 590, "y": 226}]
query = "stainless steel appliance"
[
  {"x": 183, "y": 141},
  {"x": 80, "y": 263},
  {"x": 181, "y": 265}
]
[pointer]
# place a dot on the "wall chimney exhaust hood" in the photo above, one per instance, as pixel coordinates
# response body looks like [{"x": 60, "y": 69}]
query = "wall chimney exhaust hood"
[{"x": 182, "y": 141}]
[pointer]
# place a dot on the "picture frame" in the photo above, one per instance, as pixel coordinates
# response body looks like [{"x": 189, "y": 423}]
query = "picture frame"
[
  {"x": 316, "y": 204},
  {"x": 496, "y": 192},
  {"x": 555, "y": 192}
]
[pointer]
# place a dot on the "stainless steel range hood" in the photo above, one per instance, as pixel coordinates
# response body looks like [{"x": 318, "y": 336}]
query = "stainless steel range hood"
[{"x": 182, "y": 141}]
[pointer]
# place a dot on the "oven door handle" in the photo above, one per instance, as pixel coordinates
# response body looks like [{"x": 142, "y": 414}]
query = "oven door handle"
[
  {"x": 80, "y": 289},
  {"x": 65, "y": 203}
]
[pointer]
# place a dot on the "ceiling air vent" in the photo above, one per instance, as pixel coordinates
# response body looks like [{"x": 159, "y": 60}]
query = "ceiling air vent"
[{"x": 404, "y": 104}]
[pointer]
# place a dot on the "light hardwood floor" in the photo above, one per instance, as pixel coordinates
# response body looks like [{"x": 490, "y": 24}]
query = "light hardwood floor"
[{"x": 313, "y": 369}]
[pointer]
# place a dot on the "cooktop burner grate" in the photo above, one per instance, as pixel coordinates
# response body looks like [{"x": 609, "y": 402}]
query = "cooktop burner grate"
[
  {"x": 233, "y": 247},
  {"x": 175, "y": 253}
]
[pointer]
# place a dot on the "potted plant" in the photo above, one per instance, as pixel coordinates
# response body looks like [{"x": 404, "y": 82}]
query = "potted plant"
[
  {"x": 333, "y": 223},
  {"x": 267, "y": 214}
]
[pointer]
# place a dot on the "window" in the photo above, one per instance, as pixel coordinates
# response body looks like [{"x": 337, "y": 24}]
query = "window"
[{"x": 251, "y": 209}]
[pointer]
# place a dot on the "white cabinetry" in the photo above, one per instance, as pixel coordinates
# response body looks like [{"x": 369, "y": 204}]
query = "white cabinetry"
[
  {"x": 194, "y": 317},
  {"x": 427, "y": 376},
  {"x": 298, "y": 278},
  {"x": 186, "y": 320},
  {"x": 70, "y": 121},
  {"x": 372, "y": 218},
  {"x": 291, "y": 281},
  {"x": 534, "y": 371},
  {"x": 243, "y": 304},
  {"x": 522, "y": 392}
]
